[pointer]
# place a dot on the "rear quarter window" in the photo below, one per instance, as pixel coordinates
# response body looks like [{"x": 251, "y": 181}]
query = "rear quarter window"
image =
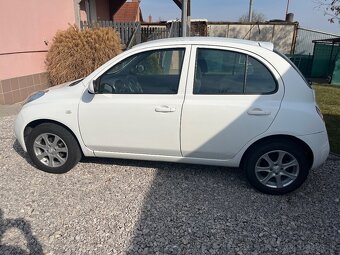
[{"x": 259, "y": 80}]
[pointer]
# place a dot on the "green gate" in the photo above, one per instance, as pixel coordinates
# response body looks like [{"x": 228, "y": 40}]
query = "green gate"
[
  {"x": 324, "y": 60},
  {"x": 336, "y": 72}
]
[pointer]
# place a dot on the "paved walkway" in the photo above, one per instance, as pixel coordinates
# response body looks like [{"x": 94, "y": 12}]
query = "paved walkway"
[{"x": 6, "y": 110}]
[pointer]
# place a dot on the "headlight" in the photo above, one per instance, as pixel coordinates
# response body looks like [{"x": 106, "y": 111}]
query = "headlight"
[{"x": 35, "y": 96}]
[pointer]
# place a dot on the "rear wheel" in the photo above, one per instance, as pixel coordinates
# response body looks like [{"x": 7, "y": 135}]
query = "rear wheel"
[
  {"x": 53, "y": 148},
  {"x": 277, "y": 167}
]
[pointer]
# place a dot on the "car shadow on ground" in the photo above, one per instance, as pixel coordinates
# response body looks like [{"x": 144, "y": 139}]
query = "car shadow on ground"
[
  {"x": 159, "y": 165},
  {"x": 33, "y": 245},
  {"x": 21, "y": 152}
]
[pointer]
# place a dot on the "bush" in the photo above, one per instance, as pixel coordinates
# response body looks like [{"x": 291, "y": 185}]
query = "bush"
[{"x": 76, "y": 53}]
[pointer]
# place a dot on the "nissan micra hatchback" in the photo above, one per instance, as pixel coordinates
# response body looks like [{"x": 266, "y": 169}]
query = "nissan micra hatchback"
[{"x": 211, "y": 101}]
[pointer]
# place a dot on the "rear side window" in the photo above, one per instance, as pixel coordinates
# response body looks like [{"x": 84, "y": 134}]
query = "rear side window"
[{"x": 221, "y": 72}]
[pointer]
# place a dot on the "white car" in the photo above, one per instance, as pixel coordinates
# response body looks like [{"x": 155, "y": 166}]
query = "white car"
[{"x": 213, "y": 101}]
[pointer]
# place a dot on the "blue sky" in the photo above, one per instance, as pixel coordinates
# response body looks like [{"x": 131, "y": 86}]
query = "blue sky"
[{"x": 305, "y": 11}]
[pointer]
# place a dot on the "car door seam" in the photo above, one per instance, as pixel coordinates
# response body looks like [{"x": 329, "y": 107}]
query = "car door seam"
[
  {"x": 78, "y": 122},
  {"x": 185, "y": 94}
]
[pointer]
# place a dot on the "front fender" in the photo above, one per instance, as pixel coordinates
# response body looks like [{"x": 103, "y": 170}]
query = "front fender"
[{"x": 65, "y": 114}]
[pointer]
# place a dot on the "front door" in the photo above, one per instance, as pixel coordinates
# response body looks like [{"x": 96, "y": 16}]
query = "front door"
[
  {"x": 137, "y": 105},
  {"x": 232, "y": 97}
]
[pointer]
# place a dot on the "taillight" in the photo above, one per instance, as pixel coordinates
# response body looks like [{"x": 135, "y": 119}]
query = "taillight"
[{"x": 319, "y": 112}]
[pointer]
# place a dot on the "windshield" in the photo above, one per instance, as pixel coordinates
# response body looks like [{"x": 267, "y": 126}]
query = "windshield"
[{"x": 293, "y": 65}]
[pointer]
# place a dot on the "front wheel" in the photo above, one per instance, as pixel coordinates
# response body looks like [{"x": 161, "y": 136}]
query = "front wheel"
[
  {"x": 52, "y": 148},
  {"x": 277, "y": 167}
]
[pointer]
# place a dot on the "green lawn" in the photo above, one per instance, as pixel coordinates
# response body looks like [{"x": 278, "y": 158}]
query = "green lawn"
[{"x": 328, "y": 98}]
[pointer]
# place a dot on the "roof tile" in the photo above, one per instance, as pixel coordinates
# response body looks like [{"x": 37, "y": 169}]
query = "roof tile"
[{"x": 127, "y": 13}]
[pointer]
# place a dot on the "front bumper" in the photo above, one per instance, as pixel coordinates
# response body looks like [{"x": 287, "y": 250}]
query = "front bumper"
[{"x": 19, "y": 130}]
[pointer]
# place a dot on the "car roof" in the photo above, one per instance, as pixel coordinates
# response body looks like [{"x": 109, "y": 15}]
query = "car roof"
[{"x": 216, "y": 41}]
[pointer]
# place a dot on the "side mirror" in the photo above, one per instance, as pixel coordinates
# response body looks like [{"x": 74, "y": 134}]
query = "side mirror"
[{"x": 93, "y": 86}]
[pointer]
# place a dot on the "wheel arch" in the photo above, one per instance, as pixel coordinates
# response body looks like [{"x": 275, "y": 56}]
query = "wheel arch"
[
  {"x": 280, "y": 138},
  {"x": 30, "y": 126}
]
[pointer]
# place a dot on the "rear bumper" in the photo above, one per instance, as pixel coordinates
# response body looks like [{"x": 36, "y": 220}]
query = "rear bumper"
[{"x": 319, "y": 145}]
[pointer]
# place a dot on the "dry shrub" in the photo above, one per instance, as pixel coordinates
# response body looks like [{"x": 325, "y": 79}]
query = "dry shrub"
[{"x": 76, "y": 53}]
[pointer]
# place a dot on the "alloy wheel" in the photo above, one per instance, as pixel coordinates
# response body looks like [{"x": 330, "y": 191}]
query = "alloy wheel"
[
  {"x": 277, "y": 169},
  {"x": 50, "y": 150}
]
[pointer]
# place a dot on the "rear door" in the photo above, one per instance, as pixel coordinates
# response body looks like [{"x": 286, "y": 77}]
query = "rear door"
[{"x": 232, "y": 96}]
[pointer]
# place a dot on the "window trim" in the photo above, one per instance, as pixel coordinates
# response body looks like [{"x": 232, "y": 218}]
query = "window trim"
[{"x": 244, "y": 81}]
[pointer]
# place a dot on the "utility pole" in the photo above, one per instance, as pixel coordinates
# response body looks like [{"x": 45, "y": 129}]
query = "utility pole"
[
  {"x": 189, "y": 18},
  {"x": 250, "y": 15},
  {"x": 287, "y": 7},
  {"x": 184, "y": 18}
]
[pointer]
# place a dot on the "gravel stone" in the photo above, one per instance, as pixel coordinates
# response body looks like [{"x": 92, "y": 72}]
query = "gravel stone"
[{"x": 111, "y": 206}]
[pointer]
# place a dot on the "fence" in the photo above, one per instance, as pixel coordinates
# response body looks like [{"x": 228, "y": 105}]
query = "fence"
[
  {"x": 281, "y": 34},
  {"x": 304, "y": 40},
  {"x": 324, "y": 59},
  {"x": 154, "y": 31},
  {"x": 314, "y": 61},
  {"x": 132, "y": 33},
  {"x": 126, "y": 30}
]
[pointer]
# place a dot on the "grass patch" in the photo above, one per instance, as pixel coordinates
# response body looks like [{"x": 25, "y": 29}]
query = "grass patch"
[{"x": 328, "y": 98}]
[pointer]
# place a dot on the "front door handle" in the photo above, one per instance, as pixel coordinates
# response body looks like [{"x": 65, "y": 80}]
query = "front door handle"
[
  {"x": 258, "y": 112},
  {"x": 164, "y": 108}
]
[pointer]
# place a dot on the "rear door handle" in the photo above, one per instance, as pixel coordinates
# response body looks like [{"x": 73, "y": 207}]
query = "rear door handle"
[
  {"x": 258, "y": 112},
  {"x": 164, "y": 108}
]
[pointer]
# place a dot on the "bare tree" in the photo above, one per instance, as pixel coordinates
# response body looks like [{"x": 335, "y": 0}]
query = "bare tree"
[
  {"x": 331, "y": 9},
  {"x": 256, "y": 17}
]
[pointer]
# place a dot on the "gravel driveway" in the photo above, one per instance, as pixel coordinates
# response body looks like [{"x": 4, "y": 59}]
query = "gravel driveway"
[{"x": 135, "y": 207}]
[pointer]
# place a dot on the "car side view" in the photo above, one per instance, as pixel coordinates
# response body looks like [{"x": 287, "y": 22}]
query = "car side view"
[{"x": 212, "y": 101}]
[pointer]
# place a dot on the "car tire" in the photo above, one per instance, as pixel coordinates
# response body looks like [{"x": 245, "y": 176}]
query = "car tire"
[
  {"x": 277, "y": 167},
  {"x": 52, "y": 148}
]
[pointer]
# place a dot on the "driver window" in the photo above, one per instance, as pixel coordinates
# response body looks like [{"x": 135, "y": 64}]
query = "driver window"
[{"x": 151, "y": 72}]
